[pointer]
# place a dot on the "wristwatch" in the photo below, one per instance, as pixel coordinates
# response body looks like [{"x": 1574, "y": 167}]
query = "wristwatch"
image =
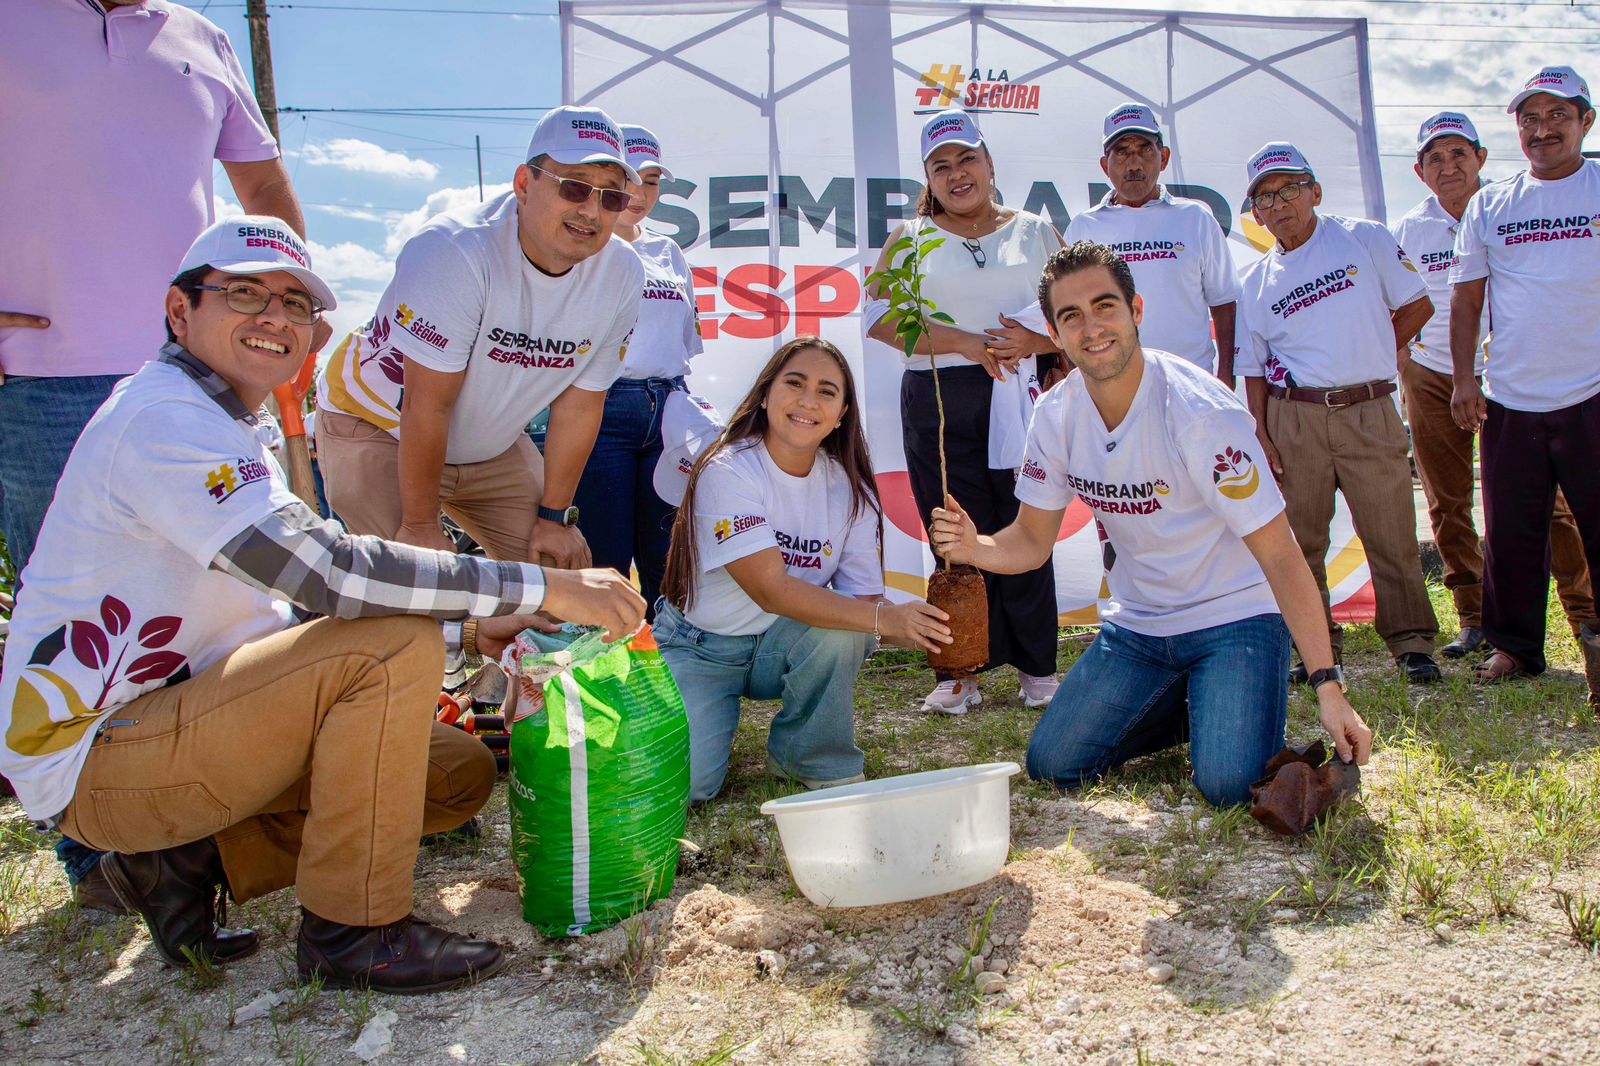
[
  {"x": 1334, "y": 673},
  {"x": 567, "y": 517}
]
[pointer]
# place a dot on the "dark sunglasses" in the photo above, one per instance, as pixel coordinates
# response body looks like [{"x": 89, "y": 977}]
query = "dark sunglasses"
[
  {"x": 574, "y": 191},
  {"x": 251, "y": 299}
]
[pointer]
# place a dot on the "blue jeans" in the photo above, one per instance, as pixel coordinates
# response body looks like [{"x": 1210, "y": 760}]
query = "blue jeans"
[
  {"x": 813, "y": 738},
  {"x": 1220, "y": 688},
  {"x": 40, "y": 420},
  {"x": 621, "y": 516}
]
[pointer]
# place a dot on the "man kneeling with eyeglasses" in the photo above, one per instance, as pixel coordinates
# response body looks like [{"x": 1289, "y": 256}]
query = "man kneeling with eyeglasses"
[{"x": 166, "y": 697}]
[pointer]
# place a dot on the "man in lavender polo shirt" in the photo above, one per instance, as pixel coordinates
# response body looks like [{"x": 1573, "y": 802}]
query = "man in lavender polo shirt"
[{"x": 114, "y": 111}]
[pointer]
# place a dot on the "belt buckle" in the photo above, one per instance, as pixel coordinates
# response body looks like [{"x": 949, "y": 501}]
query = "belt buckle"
[{"x": 1327, "y": 400}]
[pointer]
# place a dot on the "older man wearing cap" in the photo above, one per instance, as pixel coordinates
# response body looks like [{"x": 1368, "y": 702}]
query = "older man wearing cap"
[
  {"x": 1174, "y": 246},
  {"x": 1527, "y": 246},
  {"x": 1449, "y": 158},
  {"x": 162, "y": 698},
  {"x": 1327, "y": 307},
  {"x": 623, "y": 519},
  {"x": 495, "y": 313}
]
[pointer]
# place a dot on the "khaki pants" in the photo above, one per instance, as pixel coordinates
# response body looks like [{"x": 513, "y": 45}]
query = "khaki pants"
[
  {"x": 1444, "y": 462},
  {"x": 1361, "y": 451},
  {"x": 312, "y": 757},
  {"x": 495, "y": 501}
]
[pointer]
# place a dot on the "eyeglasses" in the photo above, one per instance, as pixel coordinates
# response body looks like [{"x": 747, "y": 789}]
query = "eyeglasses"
[
  {"x": 574, "y": 191},
  {"x": 1288, "y": 194},
  {"x": 251, "y": 299},
  {"x": 976, "y": 250}
]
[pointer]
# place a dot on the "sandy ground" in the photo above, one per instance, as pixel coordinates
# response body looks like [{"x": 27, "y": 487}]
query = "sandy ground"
[{"x": 758, "y": 974}]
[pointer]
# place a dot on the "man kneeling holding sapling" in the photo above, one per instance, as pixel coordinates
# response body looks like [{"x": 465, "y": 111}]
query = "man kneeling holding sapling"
[{"x": 1207, "y": 583}]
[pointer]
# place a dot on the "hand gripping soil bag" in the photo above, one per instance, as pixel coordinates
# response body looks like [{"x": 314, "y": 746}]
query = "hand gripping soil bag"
[{"x": 599, "y": 777}]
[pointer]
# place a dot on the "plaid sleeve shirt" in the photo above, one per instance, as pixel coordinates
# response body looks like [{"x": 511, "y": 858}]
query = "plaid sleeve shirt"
[{"x": 298, "y": 556}]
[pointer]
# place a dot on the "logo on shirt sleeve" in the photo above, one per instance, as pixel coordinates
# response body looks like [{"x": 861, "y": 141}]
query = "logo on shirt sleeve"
[
  {"x": 229, "y": 478},
  {"x": 419, "y": 327},
  {"x": 1235, "y": 474},
  {"x": 1405, "y": 260},
  {"x": 728, "y": 528},
  {"x": 1033, "y": 471}
]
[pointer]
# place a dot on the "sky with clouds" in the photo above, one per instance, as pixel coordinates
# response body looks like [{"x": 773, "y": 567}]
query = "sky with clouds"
[{"x": 368, "y": 181}]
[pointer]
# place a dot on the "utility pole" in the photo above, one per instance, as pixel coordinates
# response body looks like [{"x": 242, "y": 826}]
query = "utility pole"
[
  {"x": 290, "y": 399},
  {"x": 477, "y": 142}
]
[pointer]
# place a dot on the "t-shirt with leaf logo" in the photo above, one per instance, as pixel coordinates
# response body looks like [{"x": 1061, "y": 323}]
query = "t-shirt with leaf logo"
[
  {"x": 118, "y": 598},
  {"x": 1174, "y": 488}
]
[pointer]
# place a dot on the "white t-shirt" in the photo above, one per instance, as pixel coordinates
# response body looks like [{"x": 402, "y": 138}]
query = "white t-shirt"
[
  {"x": 465, "y": 298},
  {"x": 1321, "y": 312},
  {"x": 745, "y": 504},
  {"x": 668, "y": 333},
  {"x": 1174, "y": 488},
  {"x": 1536, "y": 242},
  {"x": 976, "y": 297},
  {"x": 164, "y": 469},
  {"x": 1180, "y": 263},
  {"x": 1428, "y": 234}
]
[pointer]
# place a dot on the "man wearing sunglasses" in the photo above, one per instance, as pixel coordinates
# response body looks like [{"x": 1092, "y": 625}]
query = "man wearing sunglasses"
[
  {"x": 495, "y": 313},
  {"x": 164, "y": 696},
  {"x": 1327, "y": 309}
]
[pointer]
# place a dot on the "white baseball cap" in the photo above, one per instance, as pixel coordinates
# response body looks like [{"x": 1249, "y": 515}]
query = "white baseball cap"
[
  {"x": 689, "y": 425},
  {"x": 643, "y": 150},
  {"x": 1274, "y": 157},
  {"x": 1130, "y": 118},
  {"x": 256, "y": 244},
  {"x": 1557, "y": 81},
  {"x": 1445, "y": 124},
  {"x": 580, "y": 135},
  {"x": 952, "y": 126}
]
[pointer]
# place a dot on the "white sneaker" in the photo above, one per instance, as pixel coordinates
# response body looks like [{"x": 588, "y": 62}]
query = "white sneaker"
[
  {"x": 953, "y": 697},
  {"x": 1038, "y": 691}
]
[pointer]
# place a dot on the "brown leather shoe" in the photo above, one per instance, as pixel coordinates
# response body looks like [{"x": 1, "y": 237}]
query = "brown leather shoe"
[
  {"x": 1589, "y": 643},
  {"x": 176, "y": 892},
  {"x": 94, "y": 893},
  {"x": 409, "y": 957}
]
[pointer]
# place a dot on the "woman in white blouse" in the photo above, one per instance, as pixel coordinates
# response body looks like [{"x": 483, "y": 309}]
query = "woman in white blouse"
[{"x": 989, "y": 368}]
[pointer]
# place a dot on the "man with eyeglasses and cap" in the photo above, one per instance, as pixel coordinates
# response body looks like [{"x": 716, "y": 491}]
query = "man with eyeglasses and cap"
[
  {"x": 1175, "y": 248},
  {"x": 1327, "y": 308},
  {"x": 1529, "y": 248},
  {"x": 495, "y": 313},
  {"x": 164, "y": 697},
  {"x": 1450, "y": 156}
]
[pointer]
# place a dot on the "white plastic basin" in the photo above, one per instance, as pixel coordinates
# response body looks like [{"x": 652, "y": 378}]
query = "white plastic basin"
[{"x": 898, "y": 838}]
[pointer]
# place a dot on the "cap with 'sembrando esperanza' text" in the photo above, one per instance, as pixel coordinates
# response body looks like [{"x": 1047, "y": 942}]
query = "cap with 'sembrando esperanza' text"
[
  {"x": 643, "y": 150},
  {"x": 577, "y": 135},
  {"x": 1274, "y": 157},
  {"x": 1557, "y": 81},
  {"x": 1130, "y": 118},
  {"x": 257, "y": 244},
  {"x": 1446, "y": 124},
  {"x": 952, "y": 126}
]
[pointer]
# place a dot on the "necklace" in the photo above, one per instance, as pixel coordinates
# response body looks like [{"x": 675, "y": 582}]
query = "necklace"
[{"x": 990, "y": 222}]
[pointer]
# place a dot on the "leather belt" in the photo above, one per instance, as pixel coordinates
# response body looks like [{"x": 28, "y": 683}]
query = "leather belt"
[{"x": 1340, "y": 397}]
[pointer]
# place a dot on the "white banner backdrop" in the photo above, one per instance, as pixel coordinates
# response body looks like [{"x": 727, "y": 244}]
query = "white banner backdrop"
[{"x": 791, "y": 129}]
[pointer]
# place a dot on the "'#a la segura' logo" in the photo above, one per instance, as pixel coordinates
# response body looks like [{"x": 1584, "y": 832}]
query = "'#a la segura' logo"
[{"x": 984, "y": 91}]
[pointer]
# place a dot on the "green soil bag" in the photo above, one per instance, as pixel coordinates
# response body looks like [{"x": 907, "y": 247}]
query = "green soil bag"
[{"x": 599, "y": 778}]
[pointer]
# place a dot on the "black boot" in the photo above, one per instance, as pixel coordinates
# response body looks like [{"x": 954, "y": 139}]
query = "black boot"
[
  {"x": 408, "y": 957},
  {"x": 180, "y": 894}
]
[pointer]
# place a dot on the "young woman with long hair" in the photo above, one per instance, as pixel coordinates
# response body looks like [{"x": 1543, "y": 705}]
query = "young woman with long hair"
[
  {"x": 989, "y": 366},
  {"x": 774, "y": 581}
]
